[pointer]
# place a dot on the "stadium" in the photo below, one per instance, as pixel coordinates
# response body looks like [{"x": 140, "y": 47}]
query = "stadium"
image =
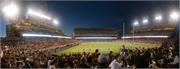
[{"x": 35, "y": 40}]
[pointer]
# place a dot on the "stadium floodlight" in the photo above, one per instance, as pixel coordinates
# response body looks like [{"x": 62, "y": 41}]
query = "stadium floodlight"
[
  {"x": 31, "y": 12},
  {"x": 145, "y": 21},
  {"x": 174, "y": 15},
  {"x": 136, "y": 23},
  {"x": 55, "y": 22},
  {"x": 10, "y": 10},
  {"x": 158, "y": 18}
]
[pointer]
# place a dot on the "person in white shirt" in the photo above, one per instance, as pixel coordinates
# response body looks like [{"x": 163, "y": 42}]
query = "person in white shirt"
[
  {"x": 52, "y": 65},
  {"x": 49, "y": 62},
  {"x": 1, "y": 53},
  {"x": 115, "y": 64},
  {"x": 176, "y": 60}
]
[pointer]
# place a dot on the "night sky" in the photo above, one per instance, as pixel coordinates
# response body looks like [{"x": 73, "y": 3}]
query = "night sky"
[{"x": 101, "y": 14}]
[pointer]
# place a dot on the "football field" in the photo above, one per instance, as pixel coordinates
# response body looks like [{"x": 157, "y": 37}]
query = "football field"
[{"x": 105, "y": 47}]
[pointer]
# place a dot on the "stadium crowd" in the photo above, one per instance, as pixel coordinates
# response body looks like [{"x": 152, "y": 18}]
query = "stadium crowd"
[
  {"x": 30, "y": 57},
  {"x": 37, "y": 44}
]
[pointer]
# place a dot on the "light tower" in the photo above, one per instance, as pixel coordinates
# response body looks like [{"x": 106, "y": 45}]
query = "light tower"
[{"x": 136, "y": 23}]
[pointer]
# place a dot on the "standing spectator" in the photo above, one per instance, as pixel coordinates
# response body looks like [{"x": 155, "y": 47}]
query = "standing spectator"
[
  {"x": 1, "y": 53},
  {"x": 115, "y": 64},
  {"x": 83, "y": 61},
  {"x": 95, "y": 57},
  {"x": 123, "y": 51},
  {"x": 152, "y": 64},
  {"x": 103, "y": 60},
  {"x": 110, "y": 57},
  {"x": 52, "y": 65}
]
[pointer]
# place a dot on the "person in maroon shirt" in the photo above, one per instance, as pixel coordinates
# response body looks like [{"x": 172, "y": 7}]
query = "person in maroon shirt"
[{"x": 95, "y": 57}]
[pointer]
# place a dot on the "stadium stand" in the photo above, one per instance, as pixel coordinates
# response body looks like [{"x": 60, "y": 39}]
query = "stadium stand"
[
  {"x": 32, "y": 26},
  {"x": 161, "y": 29},
  {"x": 94, "y": 33}
]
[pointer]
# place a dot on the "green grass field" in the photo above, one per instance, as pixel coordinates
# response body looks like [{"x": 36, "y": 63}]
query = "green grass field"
[{"x": 105, "y": 47}]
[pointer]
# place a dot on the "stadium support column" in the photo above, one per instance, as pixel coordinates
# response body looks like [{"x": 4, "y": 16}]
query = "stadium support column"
[
  {"x": 133, "y": 34},
  {"x": 123, "y": 31}
]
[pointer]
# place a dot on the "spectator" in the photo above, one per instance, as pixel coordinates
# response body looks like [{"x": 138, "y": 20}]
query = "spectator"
[{"x": 115, "y": 64}]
